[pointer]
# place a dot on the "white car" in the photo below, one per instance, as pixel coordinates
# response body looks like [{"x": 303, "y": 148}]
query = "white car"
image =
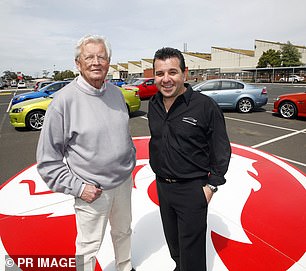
[
  {"x": 21, "y": 84},
  {"x": 292, "y": 78}
]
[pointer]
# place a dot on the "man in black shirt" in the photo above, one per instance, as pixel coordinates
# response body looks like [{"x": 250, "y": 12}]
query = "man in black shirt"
[{"x": 189, "y": 153}]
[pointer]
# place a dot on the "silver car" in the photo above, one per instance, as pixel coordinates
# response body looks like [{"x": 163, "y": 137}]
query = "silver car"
[{"x": 234, "y": 94}]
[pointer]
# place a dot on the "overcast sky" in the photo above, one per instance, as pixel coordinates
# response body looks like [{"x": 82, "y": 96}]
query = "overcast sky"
[{"x": 39, "y": 35}]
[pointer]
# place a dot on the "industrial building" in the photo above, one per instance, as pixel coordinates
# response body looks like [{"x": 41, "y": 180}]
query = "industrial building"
[{"x": 219, "y": 63}]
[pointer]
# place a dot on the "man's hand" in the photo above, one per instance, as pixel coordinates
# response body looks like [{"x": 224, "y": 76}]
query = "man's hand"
[
  {"x": 208, "y": 193},
  {"x": 91, "y": 193}
]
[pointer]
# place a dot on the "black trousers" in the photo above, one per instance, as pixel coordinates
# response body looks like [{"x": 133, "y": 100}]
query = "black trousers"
[{"x": 183, "y": 208}]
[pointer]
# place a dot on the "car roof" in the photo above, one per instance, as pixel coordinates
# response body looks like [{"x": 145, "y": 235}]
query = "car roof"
[
  {"x": 221, "y": 79},
  {"x": 44, "y": 82},
  {"x": 54, "y": 83}
]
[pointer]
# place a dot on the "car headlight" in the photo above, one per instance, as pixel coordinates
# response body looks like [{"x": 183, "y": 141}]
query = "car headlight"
[
  {"x": 276, "y": 99},
  {"x": 17, "y": 110}
]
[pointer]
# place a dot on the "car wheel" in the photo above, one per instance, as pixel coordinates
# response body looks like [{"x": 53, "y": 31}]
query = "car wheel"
[
  {"x": 288, "y": 110},
  {"x": 245, "y": 105},
  {"x": 35, "y": 119}
]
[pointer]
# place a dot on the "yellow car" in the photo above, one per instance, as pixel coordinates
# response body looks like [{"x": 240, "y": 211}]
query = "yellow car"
[
  {"x": 132, "y": 99},
  {"x": 31, "y": 113}
]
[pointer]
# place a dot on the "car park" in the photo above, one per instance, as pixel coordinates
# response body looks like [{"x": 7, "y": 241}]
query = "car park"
[
  {"x": 244, "y": 130},
  {"x": 41, "y": 84},
  {"x": 21, "y": 84},
  {"x": 30, "y": 113},
  {"x": 292, "y": 79},
  {"x": 146, "y": 86},
  {"x": 43, "y": 92},
  {"x": 234, "y": 94},
  {"x": 291, "y": 105}
]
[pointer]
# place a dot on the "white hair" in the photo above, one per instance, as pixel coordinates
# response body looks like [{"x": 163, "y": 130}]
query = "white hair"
[{"x": 92, "y": 38}]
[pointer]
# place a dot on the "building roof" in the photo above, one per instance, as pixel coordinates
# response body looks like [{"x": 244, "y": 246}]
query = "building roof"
[
  {"x": 136, "y": 63},
  {"x": 205, "y": 56},
  {"x": 124, "y": 65},
  {"x": 237, "y": 51},
  {"x": 150, "y": 60},
  {"x": 115, "y": 67}
]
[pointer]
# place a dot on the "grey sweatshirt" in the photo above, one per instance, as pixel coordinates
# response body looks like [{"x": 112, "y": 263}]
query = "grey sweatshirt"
[{"x": 89, "y": 130}]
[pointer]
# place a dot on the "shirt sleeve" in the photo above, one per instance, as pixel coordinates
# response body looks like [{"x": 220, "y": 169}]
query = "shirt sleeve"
[
  {"x": 50, "y": 156},
  {"x": 219, "y": 148}
]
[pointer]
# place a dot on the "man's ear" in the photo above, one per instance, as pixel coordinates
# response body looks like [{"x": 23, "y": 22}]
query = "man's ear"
[
  {"x": 77, "y": 63},
  {"x": 185, "y": 74}
]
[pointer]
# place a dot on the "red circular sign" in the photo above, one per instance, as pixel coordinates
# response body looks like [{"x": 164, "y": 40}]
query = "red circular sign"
[{"x": 256, "y": 220}]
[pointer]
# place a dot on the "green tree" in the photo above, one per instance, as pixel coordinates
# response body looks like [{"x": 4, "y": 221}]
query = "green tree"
[
  {"x": 290, "y": 55},
  {"x": 10, "y": 75},
  {"x": 270, "y": 58},
  {"x": 63, "y": 75}
]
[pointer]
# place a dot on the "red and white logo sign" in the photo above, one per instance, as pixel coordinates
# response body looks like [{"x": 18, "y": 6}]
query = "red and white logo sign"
[
  {"x": 19, "y": 76},
  {"x": 256, "y": 221}
]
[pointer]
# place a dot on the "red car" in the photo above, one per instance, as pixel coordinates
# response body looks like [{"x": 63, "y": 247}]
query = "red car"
[
  {"x": 291, "y": 105},
  {"x": 146, "y": 86}
]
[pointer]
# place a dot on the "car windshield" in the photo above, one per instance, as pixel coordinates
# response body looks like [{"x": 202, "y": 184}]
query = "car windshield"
[
  {"x": 138, "y": 82},
  {"x": 43, "y": 89},
  {"x": 51, "y": 87}
]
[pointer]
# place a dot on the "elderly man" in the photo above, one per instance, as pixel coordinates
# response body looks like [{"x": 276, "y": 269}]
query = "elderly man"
[{"x": 87, "y": 126}]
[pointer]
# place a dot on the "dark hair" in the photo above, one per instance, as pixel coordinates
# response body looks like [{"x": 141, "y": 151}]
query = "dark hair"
[{"x": 168, "y": 52}]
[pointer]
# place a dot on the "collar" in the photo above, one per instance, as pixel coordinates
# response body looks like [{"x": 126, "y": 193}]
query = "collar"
[{"x": 89, "y": 88}]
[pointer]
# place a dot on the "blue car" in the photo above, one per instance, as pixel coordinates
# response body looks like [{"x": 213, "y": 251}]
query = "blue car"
[
  {"x": 233, "y": 94},
  {"x": 43, "y": 92},
  {"x": 118, "y": 82}
]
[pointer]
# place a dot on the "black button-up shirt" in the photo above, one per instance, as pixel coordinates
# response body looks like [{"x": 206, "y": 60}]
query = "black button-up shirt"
[{"x": 190, "y": 140}]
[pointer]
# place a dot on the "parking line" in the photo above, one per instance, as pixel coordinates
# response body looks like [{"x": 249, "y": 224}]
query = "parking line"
[
  {"x": 262, "y": 124},
  {"x": 256, "y": 123},
  {"x": 295, "y": 132},
  {"x": 10, "y": 104},
  {"x": 9, "y": 107},
  {"x": 278, "y": 138}
]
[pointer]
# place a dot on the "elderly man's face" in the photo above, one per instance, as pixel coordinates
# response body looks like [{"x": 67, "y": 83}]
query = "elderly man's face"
[{"x": 93, "y": 63}]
